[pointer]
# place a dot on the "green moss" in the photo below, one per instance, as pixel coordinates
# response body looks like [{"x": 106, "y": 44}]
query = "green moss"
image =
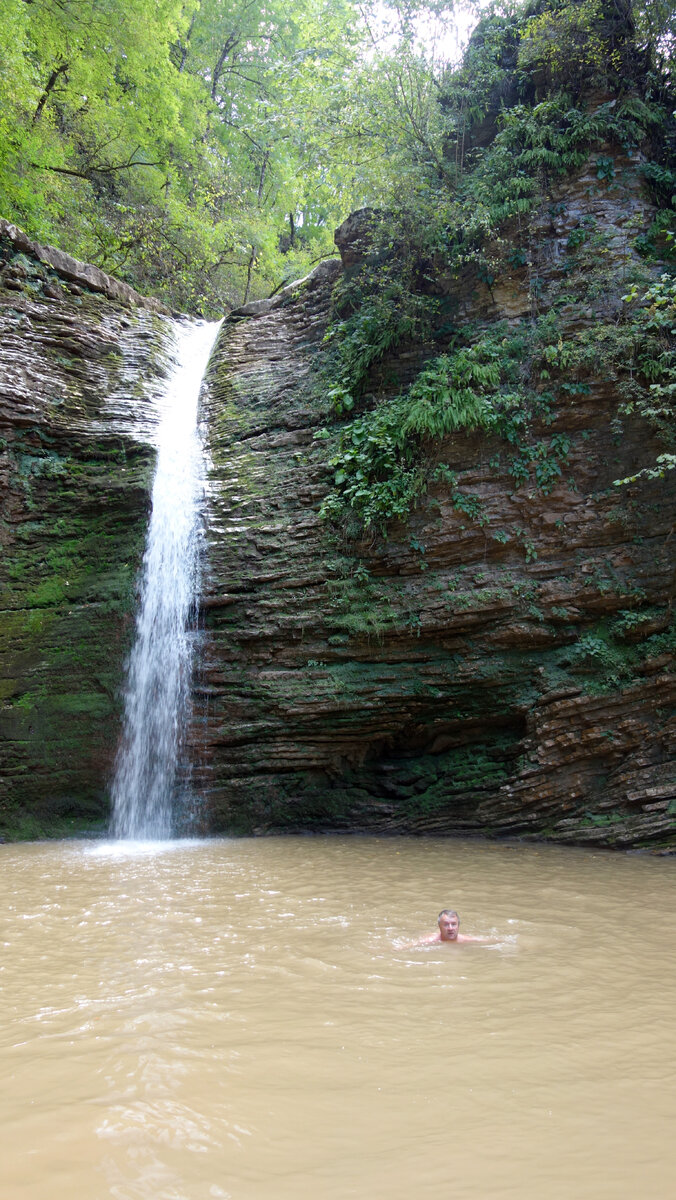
[
  {"x": 599, "y": 820},
  {"x": 603, "y": 659},
  {"x": 7, "y": 688},
  {"x": 67, "y": 591},
  {"x": 360, "y": 608},
  {"x": 91, "y": 703},
  {"x": 49, "y": 592},
  {"x": 27, "y": 827}
]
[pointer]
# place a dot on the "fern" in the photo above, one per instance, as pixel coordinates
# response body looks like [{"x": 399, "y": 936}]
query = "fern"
[
  {"x": 448, "y": 395},
  {"x": 379, "y": 467}
]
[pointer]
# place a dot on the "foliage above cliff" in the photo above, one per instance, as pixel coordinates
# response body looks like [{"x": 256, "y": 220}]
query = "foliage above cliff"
[
  {"x": 546, "y": 94},
  {"x": 160, "y": 139},
  {"x": 204, "y": 150}
]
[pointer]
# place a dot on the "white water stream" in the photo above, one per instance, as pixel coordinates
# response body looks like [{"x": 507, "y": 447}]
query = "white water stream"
[{"x": 161, "y": 659}]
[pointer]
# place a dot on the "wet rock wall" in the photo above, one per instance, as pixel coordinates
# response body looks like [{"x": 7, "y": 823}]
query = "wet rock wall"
[
  {"x": 81, "y": 359},
  {"x": 509, "y": 677}
]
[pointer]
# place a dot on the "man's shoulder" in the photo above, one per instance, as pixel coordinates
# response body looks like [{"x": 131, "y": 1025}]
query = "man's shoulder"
[{"x": 427, "y": 939}]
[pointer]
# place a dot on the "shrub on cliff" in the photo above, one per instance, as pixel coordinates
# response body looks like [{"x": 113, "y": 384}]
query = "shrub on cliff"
[{"x": 545, "y": 92}]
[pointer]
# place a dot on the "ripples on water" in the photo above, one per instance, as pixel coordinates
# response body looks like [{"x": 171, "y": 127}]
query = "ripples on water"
[{"x": 239, "y": 1019}]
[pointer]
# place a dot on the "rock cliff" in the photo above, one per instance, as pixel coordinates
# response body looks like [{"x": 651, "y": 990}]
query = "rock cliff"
[
  {"x": 492, "y": 653},
  {"x": 81, "y": 358},
  {"x": 500, "y": 664}
]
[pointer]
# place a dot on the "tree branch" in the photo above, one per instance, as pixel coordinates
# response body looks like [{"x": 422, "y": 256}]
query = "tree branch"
[
  {"x": 51, "y": 82},
  {"x": 93, "y": 170},
  {"x": 231, "y": 43}
]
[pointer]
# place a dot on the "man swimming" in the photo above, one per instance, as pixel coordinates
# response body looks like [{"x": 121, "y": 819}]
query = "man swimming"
[{"x": 449, "y": 931}]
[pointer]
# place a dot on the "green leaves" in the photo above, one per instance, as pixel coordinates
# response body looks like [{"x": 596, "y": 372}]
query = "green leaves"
[
  {"x": 450, "y": 394},
  {"x": 188, "y": 146},
  {"x": 205, "y": 150},
  {"x": 379, "y": 462}
]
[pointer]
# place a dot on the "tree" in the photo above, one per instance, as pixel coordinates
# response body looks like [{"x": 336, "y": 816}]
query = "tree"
[{"x": 205, "y": 149}]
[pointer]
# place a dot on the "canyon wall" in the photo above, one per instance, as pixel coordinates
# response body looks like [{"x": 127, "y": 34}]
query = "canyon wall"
[
  {"x": 508, "y": 676},
  {"x": 81, "y": 359}
]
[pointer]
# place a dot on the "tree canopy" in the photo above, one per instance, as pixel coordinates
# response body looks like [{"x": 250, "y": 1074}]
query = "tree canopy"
[
  {"x": 202, "y": 149},
  {"x": 205, "y": 150}
]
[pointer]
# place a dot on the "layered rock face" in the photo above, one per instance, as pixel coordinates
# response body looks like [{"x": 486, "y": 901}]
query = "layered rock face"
[
  {"x": 508, "y": 676},
  {"x": 508, "y": 673},
  {"x": 81, "y": 360}
]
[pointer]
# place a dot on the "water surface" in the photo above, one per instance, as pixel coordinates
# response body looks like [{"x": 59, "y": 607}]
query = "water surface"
[{"x": 187, "y": 1021}]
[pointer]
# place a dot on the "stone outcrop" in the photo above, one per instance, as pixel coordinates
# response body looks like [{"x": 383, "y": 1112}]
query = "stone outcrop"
[
  {"x": 63, "y": 267},
  {"x": 81, "y": 358},
  {"x": 513, "y": 676}
]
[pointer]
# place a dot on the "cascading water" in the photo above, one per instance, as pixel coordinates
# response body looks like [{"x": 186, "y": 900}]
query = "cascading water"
[{"x": 161, "y": 659}]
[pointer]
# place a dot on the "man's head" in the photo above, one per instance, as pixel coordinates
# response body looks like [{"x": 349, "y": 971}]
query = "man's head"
[{"x": 449, "y": 924}]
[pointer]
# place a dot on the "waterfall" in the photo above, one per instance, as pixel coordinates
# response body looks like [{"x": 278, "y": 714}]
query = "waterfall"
[{"x": 159, "y": 669}]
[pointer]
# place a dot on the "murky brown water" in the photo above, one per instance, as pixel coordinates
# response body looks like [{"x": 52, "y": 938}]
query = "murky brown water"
[{"x": 233, "y": 1019}]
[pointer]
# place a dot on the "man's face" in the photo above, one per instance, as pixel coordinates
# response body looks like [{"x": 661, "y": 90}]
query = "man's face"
[{"x": 448, "y": 927}]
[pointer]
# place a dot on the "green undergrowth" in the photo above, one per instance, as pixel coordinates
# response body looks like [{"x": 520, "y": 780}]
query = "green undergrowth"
[
  {"x": 485, "y": 218},
  {"x": 505, "y": 384},
  {"x": 615, "y": 652},
  {"x": 386, "y": 458},
  {"x": 538, "y": 144}
]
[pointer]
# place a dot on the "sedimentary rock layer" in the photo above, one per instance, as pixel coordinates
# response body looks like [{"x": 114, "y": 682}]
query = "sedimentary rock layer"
[
  {"x": 512, "y": 676},
  {"x": 81, "y": 358}
]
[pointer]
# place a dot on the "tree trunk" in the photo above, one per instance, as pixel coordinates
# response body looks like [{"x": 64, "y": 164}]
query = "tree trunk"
[
  {"x": 51, "y": 82},
  {"x": 249, "y": 270}
]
